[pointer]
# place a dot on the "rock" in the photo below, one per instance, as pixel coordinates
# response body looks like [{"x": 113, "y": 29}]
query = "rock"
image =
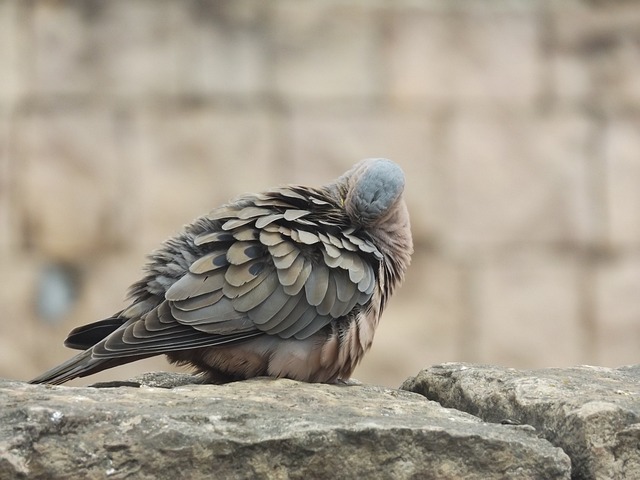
[
  {"x": 592, "y": 413},
  {"x": 260, "y": 428}
]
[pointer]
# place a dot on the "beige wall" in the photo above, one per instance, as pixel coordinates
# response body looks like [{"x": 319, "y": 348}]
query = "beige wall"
[{"x": 517, "y": 122}]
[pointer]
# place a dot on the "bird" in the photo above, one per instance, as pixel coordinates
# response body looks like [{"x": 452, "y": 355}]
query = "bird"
[{"x": 287, "y": 283}]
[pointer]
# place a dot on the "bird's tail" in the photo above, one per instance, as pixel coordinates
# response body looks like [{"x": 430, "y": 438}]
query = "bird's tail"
[{"x": 81, "y": 365}]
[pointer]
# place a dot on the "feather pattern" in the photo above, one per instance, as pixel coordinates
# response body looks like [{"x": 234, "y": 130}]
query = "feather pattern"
[{"x": 246, "y": 288}]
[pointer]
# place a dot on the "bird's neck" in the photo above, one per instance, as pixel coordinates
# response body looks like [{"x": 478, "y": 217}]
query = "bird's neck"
[{"x": 393, "y": 239}]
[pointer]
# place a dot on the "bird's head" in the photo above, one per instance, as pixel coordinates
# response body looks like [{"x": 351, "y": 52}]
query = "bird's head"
[{"x": 371, "y": 190}]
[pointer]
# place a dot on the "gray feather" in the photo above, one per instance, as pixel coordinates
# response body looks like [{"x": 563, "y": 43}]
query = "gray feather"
[
  {"x": 330, "y": 261},
  {"x": 246, "y": 234},
  {"x": 242, "y": 252},
  {"x": 307, "y": 238},
  {"x": 294, "y": 317},
  {"x": 269, "y": 307},
  {"x": 193, "y": 285},
  {"x": 238, "y": 275},
  {"x": 213, "y": 237},
  {"x": 345, "y": 288},
  {"x": 218, "y": 312},
  {"x": 317, "y": 324},
  {"x": 251, "y": 212},
  {"x": 231, "y": 291},
  {"x": 235, "y": 223},
  {"x": 210, "y": 261},
  {"x": 266, "y": 220},
  {"x": 257, "y": 295},
  {"x": 291, "y": 215},
  {"x": 284, "y": 313},
  {"x": 306, "y": 318},
  {"x": 201, "y": 301},
  {"x": 284, "y": 262},
  {"x": 316, "y": 286},
  {"x": 282, "y": 249},
  {"x": 329, "y": 298},
  {"x": 300, "y": 281},
  {"x": 289, "y": 275},
  {"x": 270, "y": 238}
]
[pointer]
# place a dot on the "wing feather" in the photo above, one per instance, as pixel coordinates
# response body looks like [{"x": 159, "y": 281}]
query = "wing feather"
[
  {"x": 238, "y": 275},
  {"x": 257, "y": 295},
  {"x": 289, "y": 274},
  {"x": 201, "y": 301},
  {"x": 192, "y": 285},
  {"x": 329, "y": 298},
  {"x": 317, "y": 324},
  {"x": 210, "y": 261},
  {"x": 317, "y": 283},
  {"x": 218, "y": 312},
  {"x": 262, "y": 313},
  {"x": 270, "y": 269},
  {"x": 285, "y": 312},
  {"x": 299, "y": 283}
]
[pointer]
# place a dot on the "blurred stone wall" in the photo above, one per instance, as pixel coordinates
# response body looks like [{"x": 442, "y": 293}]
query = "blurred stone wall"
[{"x": 517, "y": 123}]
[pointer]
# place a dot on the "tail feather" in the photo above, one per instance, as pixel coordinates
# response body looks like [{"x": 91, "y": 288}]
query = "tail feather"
[
  {"x": 81, "y": 365},
  {"x": 86, "y": 336}
]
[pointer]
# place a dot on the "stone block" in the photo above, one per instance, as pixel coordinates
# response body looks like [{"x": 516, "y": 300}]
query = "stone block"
[
  {"x": 591, "y": 413},
  {"x": 146, "y": 49},
  {"x": 195, "y": 159},
  {"x": 602, "y": 40},
  {"x": 622, "y": 177},
  {"x": 7, "y": 214},
  {"x": 19, "y": 358},
  {"x": 12, "y": 52},
  {"x": 135, "y": 47},
  {"x": 422, "y": 324},
  {"x": 617, "y": 310},
  {"x": 520, "y": 179},
  {"x": 421, "y": 57},
  {"x": 526, "y": 310},
  {"x": 221, "y": 48},
  {"x": 465, "y": 56},
  {"x": 324, "y": 50},
  {"x": 571, "y": 81},
  {"x": 72, "y": 191},
  {"x": 257, "y": 429},
  {"x": 323, "y": 145},
  {"x": 60, "y": 50}
]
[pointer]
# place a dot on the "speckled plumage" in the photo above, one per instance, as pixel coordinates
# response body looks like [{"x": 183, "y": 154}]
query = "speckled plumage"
[{"x": 290, "y": 283}]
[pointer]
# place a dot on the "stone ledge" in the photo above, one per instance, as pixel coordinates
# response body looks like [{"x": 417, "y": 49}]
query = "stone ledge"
[
  {"x": 592, "y": 413},
  {"x": 260, "y": 428}
]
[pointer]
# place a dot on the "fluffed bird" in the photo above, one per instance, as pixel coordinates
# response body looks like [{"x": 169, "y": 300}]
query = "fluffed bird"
[{"x": 289, "y": 283}]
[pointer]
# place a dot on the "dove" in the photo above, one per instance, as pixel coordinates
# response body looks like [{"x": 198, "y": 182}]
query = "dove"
[{"x": 290, "y": 282}]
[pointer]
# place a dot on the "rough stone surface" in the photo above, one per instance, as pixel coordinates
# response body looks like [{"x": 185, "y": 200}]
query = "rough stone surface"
[
  {"x": 466, "y": 58},
  {"x": 592, "y": 413},
  {"x": 255, "y": 429}
]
